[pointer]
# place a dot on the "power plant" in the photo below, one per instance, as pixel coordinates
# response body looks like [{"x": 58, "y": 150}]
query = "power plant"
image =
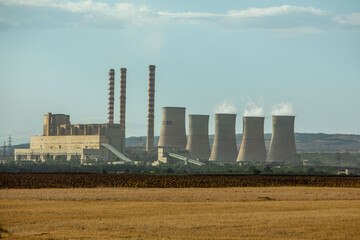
[
  {"x": 224, "y": 148},
  {"x": 106, "y": 141},
  {"x": 282, "y": 146},
  {"x": 252, "y": 148},
  {"x": 198, "y": 140}
]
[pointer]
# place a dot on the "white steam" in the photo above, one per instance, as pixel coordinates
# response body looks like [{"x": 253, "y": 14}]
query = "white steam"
[
  {"x": 283, "y": 109},
  {"x": 225, "y": 106},
  {"x": 253, "y": 110}
]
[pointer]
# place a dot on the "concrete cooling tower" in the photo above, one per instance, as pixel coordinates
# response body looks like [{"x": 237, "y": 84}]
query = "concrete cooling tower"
[
  {"x": 282, "y": 146},
  {"x": 224, "y": 147},
  {"x": 173, "y": 128},
  {"x": 253, "y": 144},
  {"x": 198, "y": 139}
]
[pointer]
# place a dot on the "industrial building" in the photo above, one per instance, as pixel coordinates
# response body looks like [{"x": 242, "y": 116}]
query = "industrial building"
[
  {"x": 282, "y": 148},
  {"x": 198, "y": 140},
  {"x": 224, "y": 148},
  {"x": 252, "y": 148},
  {"x": 173, "y": 134},
  {"x": 173, "y": 147},
  {"x": 85, "y": 142}
]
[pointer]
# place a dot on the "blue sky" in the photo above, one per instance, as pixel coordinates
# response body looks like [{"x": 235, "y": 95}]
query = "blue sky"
[{"x": 249, "y": 57}]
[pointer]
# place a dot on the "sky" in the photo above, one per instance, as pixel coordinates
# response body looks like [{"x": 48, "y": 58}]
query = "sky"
[{"x": 250, "y": 57}]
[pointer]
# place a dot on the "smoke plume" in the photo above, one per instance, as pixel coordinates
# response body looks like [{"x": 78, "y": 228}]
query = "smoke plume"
[
  {"x": 225, "y": 106},
  {"x": 253, "y": 110},
  {"x": 283, "y": 109}
]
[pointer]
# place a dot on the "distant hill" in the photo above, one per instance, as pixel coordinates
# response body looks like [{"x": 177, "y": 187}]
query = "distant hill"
[
  {"x": 320, "y": 142},
  {"x": 19, "y": 146},
  {"x": 305, "y": 142}
]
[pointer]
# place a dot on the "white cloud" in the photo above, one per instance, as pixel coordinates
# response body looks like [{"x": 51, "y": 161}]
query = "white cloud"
[
  {"x": 351, "y": 19},
  {"x": 119, "y": 15},
  {"x": 274, "y": 11}
]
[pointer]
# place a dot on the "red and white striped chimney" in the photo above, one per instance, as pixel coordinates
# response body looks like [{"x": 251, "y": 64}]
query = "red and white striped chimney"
[
  {"x": 111, "y": 97},
  {"x": 122, "y": 104},
  {"x": 150, "y": 132}
]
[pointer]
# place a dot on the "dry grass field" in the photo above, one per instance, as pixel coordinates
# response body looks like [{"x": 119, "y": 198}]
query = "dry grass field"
[{"x": 190, "y": 213}]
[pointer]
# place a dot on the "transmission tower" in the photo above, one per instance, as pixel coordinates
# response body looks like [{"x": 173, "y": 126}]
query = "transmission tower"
[
  {"x": 4, "y": 150},
  {"x": 338, "y": 160}
]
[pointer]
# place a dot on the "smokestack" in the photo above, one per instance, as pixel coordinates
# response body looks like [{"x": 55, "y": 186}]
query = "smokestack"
[
  {"x": 224, "y": 148},
  {"x": 198, "y": 139},
  {"x": 122, "y": 105},
  {"x": 150, "y": 130},
  {"x": 173, "y": 128},
  {"x": 282, "y": 146},
  {"x": 111, "y": 97},
  {"x": 253, "y": 144}
]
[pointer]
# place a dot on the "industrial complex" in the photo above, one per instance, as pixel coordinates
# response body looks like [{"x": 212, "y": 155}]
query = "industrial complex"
[{"x": 106, "y": 142}]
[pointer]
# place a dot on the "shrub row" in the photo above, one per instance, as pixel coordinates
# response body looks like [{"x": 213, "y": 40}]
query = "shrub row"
[{"x": 83, "y": 180}]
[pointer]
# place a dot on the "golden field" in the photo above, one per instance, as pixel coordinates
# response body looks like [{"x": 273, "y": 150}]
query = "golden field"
[{"x": 181, "y": 213}]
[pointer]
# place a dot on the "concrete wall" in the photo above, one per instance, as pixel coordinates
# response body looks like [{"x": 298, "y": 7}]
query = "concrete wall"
[
  {"x": 67, "y": 142},
  {"x": 113, "y": 133},
  {"x": 52, "y": 122},
  {"x": 81, "y": 129},
  {"x": 46, "y": 154}
]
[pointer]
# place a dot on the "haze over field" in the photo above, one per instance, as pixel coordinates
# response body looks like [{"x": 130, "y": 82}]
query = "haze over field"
[{"x": 255, "y": 57}]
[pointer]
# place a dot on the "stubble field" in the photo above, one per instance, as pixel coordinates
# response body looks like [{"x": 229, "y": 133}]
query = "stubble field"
[{"x": 181, "y": 213}]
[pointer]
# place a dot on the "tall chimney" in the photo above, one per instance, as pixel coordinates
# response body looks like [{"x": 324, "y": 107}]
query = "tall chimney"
[
  {"x": 253, "y": 144},
  {"x": 282, "y": 146},
  {"x": 224, "y": 148},
  {"x": 173, "y": 128},
  {"x": 111, "y": 97},
  {"x": 150, "y": 130},
  {"x": 122, "y": 105},
  {"x": 198, "y": 139}
]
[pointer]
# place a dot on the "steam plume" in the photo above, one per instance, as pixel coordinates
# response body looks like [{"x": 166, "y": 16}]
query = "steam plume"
[
  {"x": 283, "y": 109},
  {"x": 225, "y": 106},
  {"x": 253, "y": 110}
]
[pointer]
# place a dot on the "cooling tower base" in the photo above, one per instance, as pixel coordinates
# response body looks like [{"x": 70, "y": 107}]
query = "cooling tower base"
[
  {"x": 247, "y": 163},
  {"x": 172, "y": 156},
  {"x": 223, "y": 162}
]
